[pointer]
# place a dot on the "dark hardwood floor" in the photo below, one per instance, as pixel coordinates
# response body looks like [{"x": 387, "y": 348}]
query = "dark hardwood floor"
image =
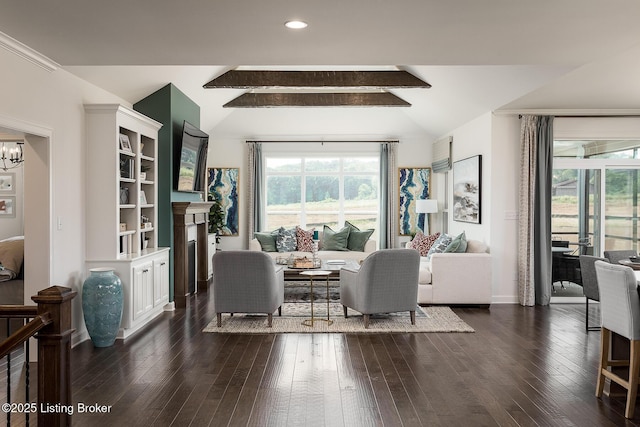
[{"x": 522, "y": 367}]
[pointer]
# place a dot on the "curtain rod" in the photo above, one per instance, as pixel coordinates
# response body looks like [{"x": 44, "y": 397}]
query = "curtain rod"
[{"x": 322, "y": 142}]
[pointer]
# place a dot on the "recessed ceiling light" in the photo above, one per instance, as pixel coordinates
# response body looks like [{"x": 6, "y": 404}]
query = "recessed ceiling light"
[{"x": 295, "y": 25}]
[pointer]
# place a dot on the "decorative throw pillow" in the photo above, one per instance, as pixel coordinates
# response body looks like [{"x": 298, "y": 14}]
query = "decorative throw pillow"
[
  {"x": 357, "y": 238},
  {"x": 286, "y": 240},
  {"x": 440, "y": 244},
  {"x": 335, "y": 240},
  {"x": 267, "y": 240},
  {"x": 304, "y": 239},
  {"x": 459, "y": 244},
  {"x": 422, "y": 243}
]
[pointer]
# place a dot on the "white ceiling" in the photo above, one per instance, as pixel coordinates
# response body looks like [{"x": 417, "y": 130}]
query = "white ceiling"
[{"x": 478, "y": 55}]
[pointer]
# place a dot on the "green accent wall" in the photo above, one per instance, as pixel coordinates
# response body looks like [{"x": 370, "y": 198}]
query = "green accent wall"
[{"x": 170, "y": 107}]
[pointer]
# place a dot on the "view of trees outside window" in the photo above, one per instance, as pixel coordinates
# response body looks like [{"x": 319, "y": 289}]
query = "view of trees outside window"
[
  {"x": 577, "y": 193},
  {"x": 315, "y": 191}
]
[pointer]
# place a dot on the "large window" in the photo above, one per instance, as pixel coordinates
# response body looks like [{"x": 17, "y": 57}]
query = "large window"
[
  {"x": 311, "y": 191},
  {"x": 595, "y": 179}
]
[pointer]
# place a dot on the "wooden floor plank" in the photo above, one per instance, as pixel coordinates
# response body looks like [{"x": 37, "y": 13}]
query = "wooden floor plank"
[{"x": 522, "y": 366}]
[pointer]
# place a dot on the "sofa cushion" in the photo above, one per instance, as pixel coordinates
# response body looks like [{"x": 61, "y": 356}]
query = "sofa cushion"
[
  {"x": 458, "y": 244},
  {"x": 286, "y": 240},
  {"x": 304, "y": 239},
  {"x": 357, "y": 238},
  {"x": 424, "y": 275},
  {"x": 267, "y": 240},
  {"x": 335, "y": 240},
  {"x": 440, "y": 245},
  {"x": 422, "y": 243},
  {"x": 476, "y": 246}
]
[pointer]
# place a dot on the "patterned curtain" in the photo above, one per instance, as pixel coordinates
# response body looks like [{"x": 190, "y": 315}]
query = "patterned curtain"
[
  {"x": 534, "y": 227},
  {"x": 388, "y": 194},
  {"x": 254, "y": 195}
]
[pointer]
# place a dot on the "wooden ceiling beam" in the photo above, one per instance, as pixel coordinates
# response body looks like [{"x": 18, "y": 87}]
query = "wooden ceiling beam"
[
  {"x": 267, "y": 79},
  {"x": 318, "y": 99}
]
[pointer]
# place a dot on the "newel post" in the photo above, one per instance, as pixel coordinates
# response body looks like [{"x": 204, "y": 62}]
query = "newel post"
[{"x": 54, "y": 355}]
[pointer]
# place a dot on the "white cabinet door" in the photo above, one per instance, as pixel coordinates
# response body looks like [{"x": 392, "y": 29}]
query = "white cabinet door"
[
  {"x": 142, "y": 289},
  {"x": 160, "y": 281}
]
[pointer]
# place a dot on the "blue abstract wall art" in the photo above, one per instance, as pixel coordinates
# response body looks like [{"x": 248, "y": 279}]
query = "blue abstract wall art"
[
  {"x": 223, "y": 183},
  {"x": 414, "y": 184}
]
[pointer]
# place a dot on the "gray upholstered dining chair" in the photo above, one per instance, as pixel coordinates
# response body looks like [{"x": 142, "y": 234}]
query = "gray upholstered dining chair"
[
  {"x": 247, "y": 282},
  {"x": 615, "y": 256},
  {"x": 620, "y": 311},
  {"x": 386, "y": 282},
  {"x": 589, "y": 284}
]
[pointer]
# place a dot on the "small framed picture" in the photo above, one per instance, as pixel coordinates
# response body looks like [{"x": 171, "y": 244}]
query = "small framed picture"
[
  {"x": 7, "y": 207},
  {"x": 125, "y": 144},
  {"x": 7, "y": 183},
  {"x": 143, "y": 198}
]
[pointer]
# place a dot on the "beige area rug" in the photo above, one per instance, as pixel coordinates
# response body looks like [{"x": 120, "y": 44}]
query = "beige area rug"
[{"x": 428, "y": 319}]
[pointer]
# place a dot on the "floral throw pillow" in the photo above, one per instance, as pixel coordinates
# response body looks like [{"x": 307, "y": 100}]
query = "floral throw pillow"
[
  {"x": 304, "y": 239},
  {"x": 286, "y": 240},
  {"x": 422, "y": 243},
  {"x": 440, "y": 245}
]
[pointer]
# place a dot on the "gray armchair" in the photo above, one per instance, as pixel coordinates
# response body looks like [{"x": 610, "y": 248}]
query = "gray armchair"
[
  {"x": 620, "y": 310},
  {"x": 386, "y": 282},
  {"x": 246, "y": 282},
  {"x": 615, "y": 256},
  {"x": 590, "y": 284}
]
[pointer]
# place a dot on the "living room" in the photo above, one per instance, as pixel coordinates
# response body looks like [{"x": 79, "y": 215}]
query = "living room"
[
  {"x": 46, "y": 101},
  {"x": 43, "y": 98}
]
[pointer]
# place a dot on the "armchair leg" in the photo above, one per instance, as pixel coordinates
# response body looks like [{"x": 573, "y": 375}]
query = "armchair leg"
[
  {"x": 280, "y": 311},
  {"x": 366, "y": 321},
  {"x": 219, "y": 317},
  {"x": 344, "y": 307},
  {"x": 412, "y": 314},
  {"x": 269, "y": 319}
]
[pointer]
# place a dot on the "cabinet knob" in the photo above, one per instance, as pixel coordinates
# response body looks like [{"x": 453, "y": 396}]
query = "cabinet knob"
[{"x": 146, "y": 270}]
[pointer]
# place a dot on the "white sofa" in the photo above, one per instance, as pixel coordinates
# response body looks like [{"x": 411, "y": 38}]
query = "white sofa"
[
  {"x": 456, "y": 278},
  {"x": 370, "y": 246}
]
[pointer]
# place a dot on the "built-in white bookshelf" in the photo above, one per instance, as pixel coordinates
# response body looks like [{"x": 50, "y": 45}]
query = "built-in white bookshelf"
[{"x": 122, "y": 216}]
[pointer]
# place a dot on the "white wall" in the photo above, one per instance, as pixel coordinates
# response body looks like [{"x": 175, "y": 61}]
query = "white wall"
[
  {"x": 54, "y": 101},
  {"x": 497, "y": 139},
  {"x": 505, "y": 175}
]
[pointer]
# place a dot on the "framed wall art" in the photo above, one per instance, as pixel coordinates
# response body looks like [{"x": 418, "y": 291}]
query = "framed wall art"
[
  {"x": 7, "y": 183},
  {"x": 414, "y": 184},
  {"x": 224, "y": 184},
  {"x": 7, "y": 206},
  {"x": 467, "y": 188}
]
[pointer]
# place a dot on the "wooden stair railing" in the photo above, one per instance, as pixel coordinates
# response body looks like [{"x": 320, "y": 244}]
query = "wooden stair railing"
[{"x": 51, "y": 325}]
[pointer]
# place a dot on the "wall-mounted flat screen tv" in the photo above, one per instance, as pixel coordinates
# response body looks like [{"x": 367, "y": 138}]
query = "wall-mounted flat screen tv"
[{"x": 190, "y": 158}]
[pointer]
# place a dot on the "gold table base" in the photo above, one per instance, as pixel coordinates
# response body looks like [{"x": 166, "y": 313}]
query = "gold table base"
[{"x": 311, "y": 274}]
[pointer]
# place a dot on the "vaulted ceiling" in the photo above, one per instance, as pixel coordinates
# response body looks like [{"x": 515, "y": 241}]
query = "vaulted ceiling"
[{"x": 478, "y": 56}]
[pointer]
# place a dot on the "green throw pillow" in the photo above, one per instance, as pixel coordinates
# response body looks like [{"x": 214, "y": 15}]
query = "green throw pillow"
[
  {"x": 357, "y": 238},
  {"x": 458, "y": 244},
  {"x": 267, "y": 240},
  {"x": 335, "y": 240}
]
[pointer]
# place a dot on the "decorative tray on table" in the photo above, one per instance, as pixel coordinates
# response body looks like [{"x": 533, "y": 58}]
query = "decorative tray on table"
[{"x": 304, "y": 263}]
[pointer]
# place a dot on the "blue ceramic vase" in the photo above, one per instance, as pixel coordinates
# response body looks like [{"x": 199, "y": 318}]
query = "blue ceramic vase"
[{"x": 102, "y": 300}]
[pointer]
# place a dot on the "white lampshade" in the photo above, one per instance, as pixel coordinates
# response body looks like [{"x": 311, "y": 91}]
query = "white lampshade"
[{"x": 426, "y": 206}]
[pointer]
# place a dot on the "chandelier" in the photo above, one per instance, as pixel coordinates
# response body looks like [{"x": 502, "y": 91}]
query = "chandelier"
[{"x": 11, "y": 155}]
